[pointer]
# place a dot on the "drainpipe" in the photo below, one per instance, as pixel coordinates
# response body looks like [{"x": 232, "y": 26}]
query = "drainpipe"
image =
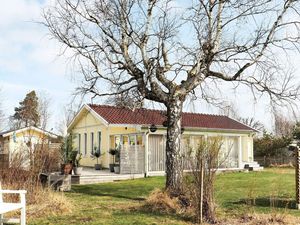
[
  {"x": 146, "y": 154},
  {"x": 240, "y": 155}
]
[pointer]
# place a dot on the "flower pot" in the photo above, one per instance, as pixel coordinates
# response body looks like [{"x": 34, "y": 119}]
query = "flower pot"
[
  {"x": 77, "y": 170},
  {"x": 98, "y": 167},
  {"x": 111, "y": 167},
  {"x": 66, "y": 168},
  {"x": 117, "y": 169}
]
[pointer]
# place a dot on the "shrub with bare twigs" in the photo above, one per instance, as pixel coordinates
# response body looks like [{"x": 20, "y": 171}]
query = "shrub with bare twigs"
[{"x": 24, "y": 170}]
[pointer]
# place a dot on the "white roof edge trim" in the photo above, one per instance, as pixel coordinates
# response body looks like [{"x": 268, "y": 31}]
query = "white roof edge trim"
[
  {"x": 97, "y": 115},
  {"x": 89, "y": 109},
  {"x": 211, "y": 129},
  {"x": 257, "y": 131},
  {"x": 125, "y": 125},
  {"x": 30, "y": 128},
  {"x": 74, "y": 118},
  {"x": 191, "y": 128}
]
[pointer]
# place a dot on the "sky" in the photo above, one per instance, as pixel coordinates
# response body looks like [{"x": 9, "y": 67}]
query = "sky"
[{"x": 29, "y": 60}]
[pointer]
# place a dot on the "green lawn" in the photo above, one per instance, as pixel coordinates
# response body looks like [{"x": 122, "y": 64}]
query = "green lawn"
[{"x": 119, "y": 203}]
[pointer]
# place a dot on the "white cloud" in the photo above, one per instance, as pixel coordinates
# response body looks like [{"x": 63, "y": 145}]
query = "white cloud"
[{"x": 29, "y": 60}]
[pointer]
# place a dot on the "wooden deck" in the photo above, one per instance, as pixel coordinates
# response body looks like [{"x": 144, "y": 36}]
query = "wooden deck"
[{"x": 92, "y": 176}]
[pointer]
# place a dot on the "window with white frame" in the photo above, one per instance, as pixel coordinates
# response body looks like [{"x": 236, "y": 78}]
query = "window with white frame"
[
  {"x": 79, "y": 143},
  {"x": 99, "y": 140},
  {"x": 85, "y": 143},
  {"x": 92, "y": 142}
]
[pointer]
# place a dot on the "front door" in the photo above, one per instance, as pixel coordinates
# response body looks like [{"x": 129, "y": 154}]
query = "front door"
[{"x": 156, "y": 153}]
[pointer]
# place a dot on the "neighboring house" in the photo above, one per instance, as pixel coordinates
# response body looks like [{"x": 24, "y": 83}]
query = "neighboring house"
[
  {"x": 143, "y": 151},
  {"x": 23, "y": 140}
]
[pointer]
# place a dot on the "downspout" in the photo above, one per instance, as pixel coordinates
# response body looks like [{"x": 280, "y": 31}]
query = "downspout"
[
  {"x": 146, "y": 174},
  {"x": 240, "y": 155}
]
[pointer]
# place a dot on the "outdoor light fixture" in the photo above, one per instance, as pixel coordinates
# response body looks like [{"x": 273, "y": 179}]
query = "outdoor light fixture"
[
  {"x": 153, "y": 128},
  {"x": 182, "y": 130},
  {"x": 165, "y": 123}
]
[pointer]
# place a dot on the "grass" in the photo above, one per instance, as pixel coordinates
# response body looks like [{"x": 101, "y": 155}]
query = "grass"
[{"x": 270, "y": 191}]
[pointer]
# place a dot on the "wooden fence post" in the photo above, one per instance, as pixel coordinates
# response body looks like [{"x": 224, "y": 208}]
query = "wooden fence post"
[{"x": 297, "y": 155}]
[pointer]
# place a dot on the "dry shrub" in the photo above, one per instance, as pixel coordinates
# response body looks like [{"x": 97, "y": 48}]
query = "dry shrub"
[
  {"x": 199, "y": 183},
  {"x": 266, "y": 219},
  {"x": 23, "y": 174},
  {"x": 49, "y": 203},
  {"x": 260, "y": 219},
  {"x": 49, "y": 156},
  {"x": 160, "y": 201},
  {"x": 286, "y": 165}
]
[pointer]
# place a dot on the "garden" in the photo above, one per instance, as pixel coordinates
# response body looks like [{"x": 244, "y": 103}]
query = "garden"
[{"x": 266, "y": 197}]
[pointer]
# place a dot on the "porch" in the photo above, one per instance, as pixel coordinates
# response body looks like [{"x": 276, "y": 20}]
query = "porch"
[{"x": 145, "y": 153}]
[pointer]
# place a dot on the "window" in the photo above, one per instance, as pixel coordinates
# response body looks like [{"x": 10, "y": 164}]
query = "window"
[
  {"x": 79, "y": 143},
  {"x": 92, "y": 142},
  {"x": 125, "y": 140},
  {"x": 117, "y": 141},
  {"x": 99, "y": 140},
  {"x": 85, "y": 143},
  {"x": 132, "y": 140},
  {"x": 139, "y": 140}
]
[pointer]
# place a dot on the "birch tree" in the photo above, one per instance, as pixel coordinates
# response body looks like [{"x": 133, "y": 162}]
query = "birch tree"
[
  {"x": 44, "y": 103},
  {"x": 171, "y": 50},
  {"x": 2, "y": 117}
]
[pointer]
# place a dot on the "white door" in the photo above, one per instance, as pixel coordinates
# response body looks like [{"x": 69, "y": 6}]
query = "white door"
[{"x": 156, "y": 153}]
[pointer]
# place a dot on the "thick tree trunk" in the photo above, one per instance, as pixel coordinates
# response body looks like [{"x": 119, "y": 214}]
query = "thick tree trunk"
[{"x": 174, "y": 165}]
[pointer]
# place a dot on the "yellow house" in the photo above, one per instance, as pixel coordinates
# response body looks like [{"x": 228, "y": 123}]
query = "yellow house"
[
  {"x": 142, "y": 150},
  {"x": 22, "y": 140}
]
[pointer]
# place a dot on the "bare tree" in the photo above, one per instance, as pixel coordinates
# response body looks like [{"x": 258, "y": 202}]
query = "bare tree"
[
  {"x": 251, "y": 122},
  {"x": 2, "y": 117},
  {"x": 232, "y": 111},
  {"x": 167, "y": 49},
  {"x": 130, "y": 99},
  {"x": 283, "y": 126},
  {"x": 229, "y": 110},
  {"x": 69, "y": 112},
  {"x": 44, "y": 103}
]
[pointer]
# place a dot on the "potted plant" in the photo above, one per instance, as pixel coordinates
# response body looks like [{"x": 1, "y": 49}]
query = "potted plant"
[
  {"x": 96, "y": 153},
  {"x": 113, "y": 152},
  {"x": 117, "y": 157},
  {"x": 67, "y": 154},
  {"x": 77, "y": 168}
]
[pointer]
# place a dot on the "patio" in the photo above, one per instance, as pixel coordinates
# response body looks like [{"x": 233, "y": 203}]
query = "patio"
[{"x": 91, "y": 176}]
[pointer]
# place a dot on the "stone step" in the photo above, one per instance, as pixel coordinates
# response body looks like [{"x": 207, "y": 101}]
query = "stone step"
[
  {"x": 260, "y": 168},
  {"x": 93, "y": 179},
  {"x": 253, "y": 164}
]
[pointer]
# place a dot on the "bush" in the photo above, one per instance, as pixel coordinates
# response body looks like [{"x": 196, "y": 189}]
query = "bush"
[
  {"x": 160, "y": 201},
  {"x": 199, "y": 184},
  {"x": 269, "y": 145}
]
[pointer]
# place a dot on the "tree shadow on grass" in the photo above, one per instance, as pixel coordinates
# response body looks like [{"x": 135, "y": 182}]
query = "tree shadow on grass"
[
  {"x": 122, "y": 193},
  {"x": 281, "y": 203},
  {"x": 128, "y": 193},
  {"x": 145, "y": 210}
]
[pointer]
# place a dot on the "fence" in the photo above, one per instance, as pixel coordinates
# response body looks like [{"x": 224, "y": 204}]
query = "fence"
[
  {"x": 274, "y": 160},
  {"x": 132, "y": 159}
]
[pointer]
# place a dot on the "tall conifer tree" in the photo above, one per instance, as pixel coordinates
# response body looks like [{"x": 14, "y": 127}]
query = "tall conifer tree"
[{"x": 27, "y": 113}]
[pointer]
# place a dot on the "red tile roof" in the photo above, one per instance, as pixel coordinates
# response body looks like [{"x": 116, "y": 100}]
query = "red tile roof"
[{"x": 117, "y": 115}]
